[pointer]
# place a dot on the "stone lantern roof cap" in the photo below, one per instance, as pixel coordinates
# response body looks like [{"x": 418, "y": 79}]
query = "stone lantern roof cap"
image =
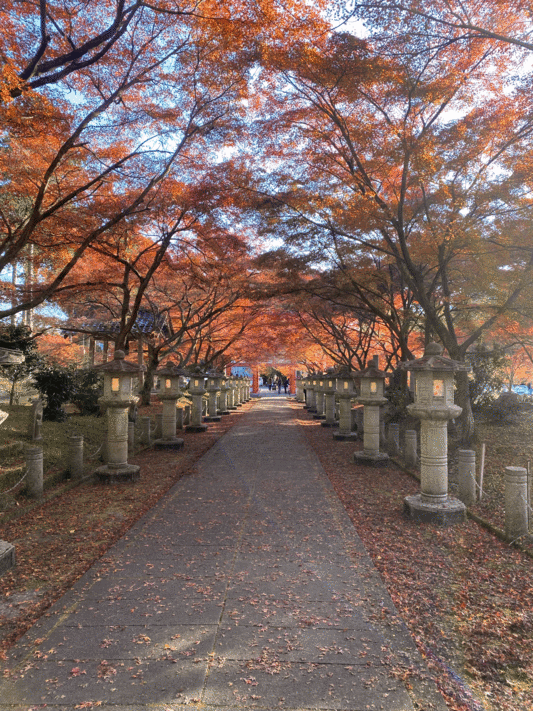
[
  {"x": 434, "y": 360},
  {"x": 10, "y": 356},
  {"x": 170, "y": 369},
  {"x": 215, "y": 374},
  {"x": 345, "y": 372},
  {"x": 119, "y": 365},
  {"x": 374, "y": 373},
  {"x": 196, "y": 372}
]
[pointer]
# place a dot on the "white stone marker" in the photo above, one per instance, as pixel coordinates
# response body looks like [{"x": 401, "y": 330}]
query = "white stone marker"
[{"x": 516, "y": 518}]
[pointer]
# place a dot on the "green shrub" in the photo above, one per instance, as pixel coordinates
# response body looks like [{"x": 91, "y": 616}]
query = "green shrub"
[
  {"x": 56, "y": 385},
  {"x": 487, "y": 375},
  {"x": 505, "y": 409},
  {"x": 88, "y": 387}
]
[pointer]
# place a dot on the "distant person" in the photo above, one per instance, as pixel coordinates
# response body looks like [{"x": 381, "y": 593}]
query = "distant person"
[
  {"x": 279, "y": 386},
  {"x": 286, "y": 385}
]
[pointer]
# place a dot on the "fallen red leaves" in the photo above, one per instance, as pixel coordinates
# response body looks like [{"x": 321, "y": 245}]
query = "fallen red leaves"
[{"x": 466, "y": 596}]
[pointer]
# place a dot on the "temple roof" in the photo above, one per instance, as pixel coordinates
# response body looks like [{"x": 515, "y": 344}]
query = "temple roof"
[{"x": 145, "y": 324}]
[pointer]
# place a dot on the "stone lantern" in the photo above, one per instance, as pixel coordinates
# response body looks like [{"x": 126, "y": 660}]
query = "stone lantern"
[
  {"x": 299, "y": 383},
  {"x": 247, "y": 384},
  {"x": 330, "y": 389},
  {"x": 320, "y": 398},
  {"x": 239, "y": 390},
  {"x": 9, "y": 356},
  {"x": 170, "y": 392},
  {"x": 117, "y": 398},
  {"x": 213, "y": 386},
  {"x": 231, "y": 395},
  {"x": 372, "y": 398},
  {"x": 196, "y": 391},
  {"x": 224, "y": 391},
  {"x": 310, "y": 393},
  {"x": 346, "y": 391},
  {"x": 306, "y": 382},
  {"x": 434, "y": 405}
]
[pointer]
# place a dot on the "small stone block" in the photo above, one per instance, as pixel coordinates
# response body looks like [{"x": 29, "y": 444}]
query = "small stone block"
[
  {"x": 450, "y": 512},
  {"x": 7, "y": 556},
  {"x": 349, "y": 437}
]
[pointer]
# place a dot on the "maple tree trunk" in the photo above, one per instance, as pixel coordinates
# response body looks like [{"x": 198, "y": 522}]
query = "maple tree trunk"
[
  {"x": 466, "y": 418},
  {"x": 151, "y": 367}
]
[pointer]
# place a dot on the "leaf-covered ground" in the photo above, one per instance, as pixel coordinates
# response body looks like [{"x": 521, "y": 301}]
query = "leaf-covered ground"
[
  {"x": 58, "y": 541},
  {"x": 507, "y": 443},
  {"x": 465, "y": 595}
]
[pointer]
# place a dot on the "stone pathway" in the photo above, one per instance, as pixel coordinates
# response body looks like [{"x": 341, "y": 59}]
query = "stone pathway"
[{"x": 245, "y": 587}]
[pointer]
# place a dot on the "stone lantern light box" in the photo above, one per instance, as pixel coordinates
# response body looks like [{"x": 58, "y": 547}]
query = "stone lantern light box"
[
  {"x": 372, "y": 383},
  {"x": 346, "y": 383}
]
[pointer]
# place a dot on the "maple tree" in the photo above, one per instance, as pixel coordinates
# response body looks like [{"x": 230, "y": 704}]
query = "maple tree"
[
  {"x": 351, "y": 309},
  {"x": 445, "y": 22},
  {"x": 101, "y": 105},
  {"x": 386, "y": 153},
  {"x": 193, "y": 285}
]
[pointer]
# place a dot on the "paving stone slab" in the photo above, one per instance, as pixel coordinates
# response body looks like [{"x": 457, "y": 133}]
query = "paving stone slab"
[
  {"x": 303, "y": 644},
  {"x": 117, "y": 682},
  {"x": 155, "y": 611},
  {"x": 171, "y": 585},
  {"x": 120, "y": 642},
  {"x": 271, "y": 684},
  {"x": 289, "y": 612}
]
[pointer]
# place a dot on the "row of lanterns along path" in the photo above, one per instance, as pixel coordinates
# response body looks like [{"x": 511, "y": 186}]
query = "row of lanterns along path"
[
  {"x": 433, "y": 405},
  {"x": 118, "y": 397}
]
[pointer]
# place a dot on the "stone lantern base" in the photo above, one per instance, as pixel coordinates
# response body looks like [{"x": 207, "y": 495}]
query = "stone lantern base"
[
  {"x": 325, "y": 423},
  {"x": 7, "y": 556},
  {"x": 111, "y": 474},
  {"x": 212, "y": 418},
  {"x": 171, "y": 443},
  {"x": 446, "y": 513},
  {"x": 378, "y": 459},
  {"x": 196, "y": 428}
]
